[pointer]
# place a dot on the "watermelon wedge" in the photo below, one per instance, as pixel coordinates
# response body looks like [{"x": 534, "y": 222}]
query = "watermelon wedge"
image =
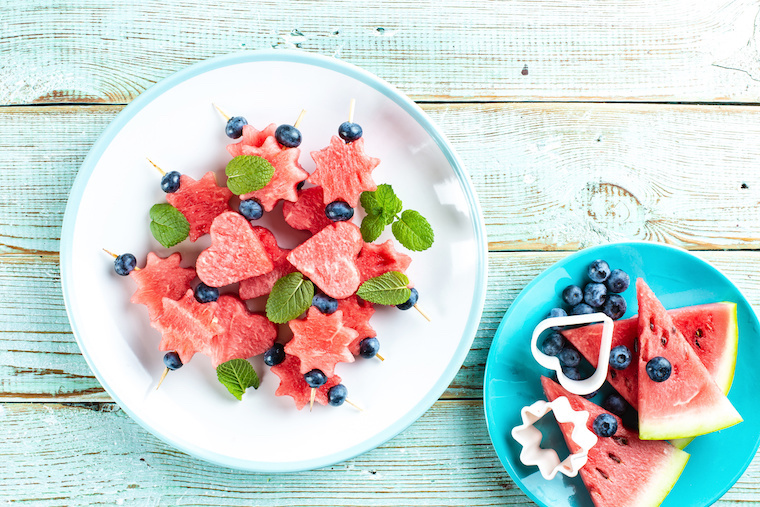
[
  {"x": 308, "y": 212},
  {"x": 710, "y": 329},
  {"x": 293, "y": 384},
  {"x": 244, "y": 334},
  {"x": 343, "y": 171},
  {"x": 321, "y": 341},
  {"x": 160, "y": 278},
  {"x": 622, "y": 470},
  {"x": 375, "y": 260},
  {"x": 200, "y": 201},
  {"x": 689, "y": 402},
  {"x": 262, "y": 284}
]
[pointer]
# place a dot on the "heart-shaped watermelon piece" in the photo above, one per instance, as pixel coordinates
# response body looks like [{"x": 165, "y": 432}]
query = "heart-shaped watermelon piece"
[
  {"x": 160, "y": 278},
  {"x": 236, "y": 252},
  {"x": 344, "y": 171},
  {"x": 321, "y": 341},
  {"x": 308, "y": 212},
  {"x": 245, "y": 334},
  {"x": 293, "y": 384},
  {"x": 375, "y": 260},
  {"x": 200, "y": 201},
  {"x": 261, "y": 285}
]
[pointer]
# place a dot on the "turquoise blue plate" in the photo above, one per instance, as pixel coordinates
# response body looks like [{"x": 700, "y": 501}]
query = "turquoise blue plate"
[{"x": 678, "y": 278}]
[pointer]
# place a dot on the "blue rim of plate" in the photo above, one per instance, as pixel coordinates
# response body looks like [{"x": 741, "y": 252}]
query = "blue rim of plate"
[
  {"x": 491, "y": 360},
  {"x": 377, "y": 84}
]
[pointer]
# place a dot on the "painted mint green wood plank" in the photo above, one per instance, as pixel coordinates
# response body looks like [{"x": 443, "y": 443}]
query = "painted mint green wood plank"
[
  {"x": 549, "y": 176},
  {"x": 671, "y": 50}
]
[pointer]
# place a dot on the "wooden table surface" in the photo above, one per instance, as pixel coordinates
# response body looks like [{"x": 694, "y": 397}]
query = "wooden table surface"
[{"x": 580, "y": 121}]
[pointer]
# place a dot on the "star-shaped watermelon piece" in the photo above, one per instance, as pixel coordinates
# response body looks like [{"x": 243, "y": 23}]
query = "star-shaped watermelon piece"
[
  {"x": 251, "y": 138},
  {"x": 356, "y": 315},
  {"x": 160, "y": 278},
  {"x": 307, "y": 213},
  {"x": 293, "y": 384},
  {"x": 343, "y": 171},
  {"x": 288, "y": 173},
  {"x": 375, "y": 260},
  {"x": 200, "y": 201},
  {"x": 186, "y": 325},
  {"x": 321, "y": 341},
  {"x": 244, "y": 334},
  {"x": 261, "y": 285}
]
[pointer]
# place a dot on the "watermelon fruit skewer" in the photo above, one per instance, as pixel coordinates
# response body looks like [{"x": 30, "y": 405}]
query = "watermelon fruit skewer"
[
  {"x": 235, "y": 124},
  {"x": 169, "y": 181},
  {"x": 123, "y": 264}
]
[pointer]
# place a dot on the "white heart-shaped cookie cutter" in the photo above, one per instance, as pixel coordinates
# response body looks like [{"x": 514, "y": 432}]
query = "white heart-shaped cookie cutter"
[{"x": 595, "y": 381}]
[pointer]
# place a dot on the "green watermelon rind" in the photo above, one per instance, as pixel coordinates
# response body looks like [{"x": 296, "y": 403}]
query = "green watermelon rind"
[{"x": 665, "y": 479}]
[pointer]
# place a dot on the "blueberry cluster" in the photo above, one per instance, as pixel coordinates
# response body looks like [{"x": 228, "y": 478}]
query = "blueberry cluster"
[{"x": 602, "y": 293}]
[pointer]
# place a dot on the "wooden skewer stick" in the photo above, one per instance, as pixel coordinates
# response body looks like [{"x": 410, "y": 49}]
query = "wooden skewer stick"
[
  {"x": 163, "y": 173},
  {"x": 417, "y": 307},
  {"x": 163, "y": 376},
  {"x": 311, "y": 398},
  {"x": 300, "y": 118},
  {"x": 357, "y": 407},
  {"x": 115, "y": 256},
  {"x": 226, "y": 116},
  {"x": 351, "y": 111},
  {"x": 380, "y": 357}
]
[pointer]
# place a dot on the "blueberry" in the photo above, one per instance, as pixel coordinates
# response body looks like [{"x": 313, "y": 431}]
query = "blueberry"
[
  {"x": 553, "y": 344},
  {"x": 369, "y": 347},
  {"x": 324, "y": 303},
  {"x": 288, "y": 136},
  {"x": 339, "y": 211},
  {"x": 315, "y": 378},
  {"x": 557, "y": 312},
  {"x": 615, "y": 403},
  {"x": 569, "y": 357},
  {"x": 618, "y": 281},
  {"x": 659, "y": 369},
  {"x": 336, "y": 395},
  {"x": 594, "y": 294},
  {"x": 571, "y": 372},
  {"x": 206, "y": 294},
  {"x": 172, "y": 361},
  {"x": 349, "y": 131},
  {"x": 572, "y": 295},
  {"x": 274, "y": 355},
  {"x": 598, "y": 271},
  {"x": 590, "y": 395},
  {"x": 615, "y": 306},
  {"x": 409, "y": 302},
  {"x": 300, "y": 185},
  {"x": 251, "y": 209},
  {"x": 620, "y": 357},
  {"x": 170, "y": 182},
  {"x": 124, "y": 264},
  {"x": 234, "y": 128},
  {"x": 581, "y": 309},
  {"x": 605, "y": 425}
]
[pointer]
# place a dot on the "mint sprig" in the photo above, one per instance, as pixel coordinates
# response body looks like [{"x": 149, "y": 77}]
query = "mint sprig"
[
  {"x": 290, "y": 297},
  {"x": 168, "y": 225},
  {"x": 237, "y": 375},
  {"x": 248, "y": 173},
  {"x": 387, "y": 289},
  {"x": 383, "y": 207}
]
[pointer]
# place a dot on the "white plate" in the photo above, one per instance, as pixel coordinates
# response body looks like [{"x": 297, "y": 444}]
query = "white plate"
[{"x": 175, "y": 125}]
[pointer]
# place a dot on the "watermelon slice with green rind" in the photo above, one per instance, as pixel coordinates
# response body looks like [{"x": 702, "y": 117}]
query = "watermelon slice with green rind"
[
  {"x": 293, "y": 384},
  {"x": 200, "y": 201},
  {"x": 262, "y": 284},
  {"x": 622, "y": 470},
  {"x": 321, "y": 341},
  {"x": 343, "y": 171},
  {"x": 160, "y": 278},
  {"x": 244, "y": 334},
  {"x": 689, "y": 402}
]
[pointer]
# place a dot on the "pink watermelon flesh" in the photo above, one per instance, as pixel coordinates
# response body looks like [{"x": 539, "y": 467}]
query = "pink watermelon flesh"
[
  {"x": 710, "y": 329},
  {"x": 356, "y": 315},
  {"x": 293, "y": 384},
  {"x": 343, "y": 171},
  {"x": 329, "y": 259},
  {"x": 200, "y": 201},
  {"x": 320, "y": 341},
  {"x": 621, "y": 471},
  {"x": 307, "y": 213},
  {"x": 244, "y": 334},
  {"x": 375, "y": 260},
  {"x": 186, "y": 326},
  {"x": 262, "y": 284},
  {"x": 236, "y": 252},
  {"x": 160, "y": 278},
  {"x": 251, "y": 138},
  {"x": 689, "y": 402}
]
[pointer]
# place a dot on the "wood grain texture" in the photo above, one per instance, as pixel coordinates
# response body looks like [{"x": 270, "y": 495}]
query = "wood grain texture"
[
  {"x": 65, "y": 455},
  {"x": 629, "y": 50},
  {"x": 549, "y": 176}
]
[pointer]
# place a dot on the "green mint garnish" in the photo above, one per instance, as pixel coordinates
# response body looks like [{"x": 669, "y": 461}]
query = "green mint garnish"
[
  {"x": 248, "y": 173},
  {"x": 413, "y": 231},
  {"x": 237, "y": 375},
  {"x": 168, "y": 225},
  {"x": 387, "y": 289},
  {"x": 383, "y": 207},
  {"x": 290, "y": 297}
]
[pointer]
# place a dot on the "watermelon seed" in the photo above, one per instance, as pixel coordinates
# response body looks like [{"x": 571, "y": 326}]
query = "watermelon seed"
[
  {"x": 620, "y": 440},
  {"x": 699, "y": 333},
  {"x": 651, "y": 326},
  {"x": 614, "y": 458},
  {"x": 664, "y": 341},
  {"x": 603, "y": 474}
]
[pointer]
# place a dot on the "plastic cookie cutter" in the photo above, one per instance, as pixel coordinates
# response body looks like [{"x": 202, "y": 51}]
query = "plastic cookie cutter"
[
  {"x": 595, "y": 381},
  {"x": 547, "y": 460}
]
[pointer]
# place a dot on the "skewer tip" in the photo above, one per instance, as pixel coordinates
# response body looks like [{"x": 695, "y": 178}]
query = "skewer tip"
[
  {"x": 225, "y": 115},
  {"x": 380, "y": 357},
  {"x": 357, "y": 407},
  {"x": 351, "y": 111},
  {"x": 311, "y": 398},
  {"x": 300, "y": 117},
  {"x": 163, "y": 376},
  {"x": 159, "y": 169},
  {"x": 110, "y": 253},
  {"x": 416, "y": 307}
]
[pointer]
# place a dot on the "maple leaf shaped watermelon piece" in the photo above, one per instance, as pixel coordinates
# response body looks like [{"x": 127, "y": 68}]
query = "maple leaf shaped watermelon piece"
[
  {"x": 200, "y": 201},
  {"x": 356, "y": 315},
  {"x": 307, "y": 213},
  {"x": 186, "y": 325},
  {"x": 321, "y": 341},
  {"x": 160, "y": 278},
  {"x": 343, "y": 171},
  {"x": 375, "y": 260},
  {"x": 244, "y": 334},
  {"x": 293, "y": 384},
  {"x": 251, "y": 138},
  {"x": 262, "y": 284}
]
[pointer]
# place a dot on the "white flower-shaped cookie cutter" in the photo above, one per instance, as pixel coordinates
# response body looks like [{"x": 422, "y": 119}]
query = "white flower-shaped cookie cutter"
[
  {"x": 595, "y": 381},
  {"x": 547, "y": 460}
]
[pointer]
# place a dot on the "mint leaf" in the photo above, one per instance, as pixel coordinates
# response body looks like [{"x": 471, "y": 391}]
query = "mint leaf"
[
  {"x": 387, "y": 289},
  {"x": 237, "y": 375},
  {"x": 372, "y": 227},
  {"x": 413, "y": 231},
  {"x": 370, "y": 203},
  {"x": 248, "y": 173},
  {"x": 388, "y": 201},
  {"x": 290, "y": 297},
  {"x": 168, "y": 225}
]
